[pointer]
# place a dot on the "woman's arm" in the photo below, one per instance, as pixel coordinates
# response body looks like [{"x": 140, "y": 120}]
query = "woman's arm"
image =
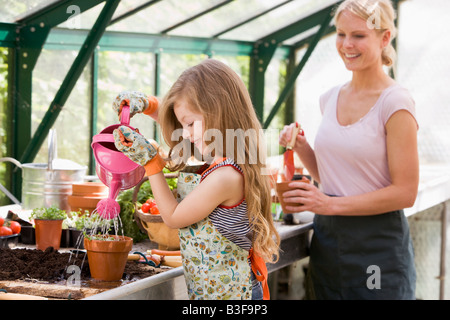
[
  {"x": 223, "y": 186},
  {"x": 403, "y": 164}
]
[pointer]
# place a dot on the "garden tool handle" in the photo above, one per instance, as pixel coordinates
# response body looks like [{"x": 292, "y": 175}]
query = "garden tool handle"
[
  {"x": 294, "y": 133},
  {"x": 19, "y": 296}
]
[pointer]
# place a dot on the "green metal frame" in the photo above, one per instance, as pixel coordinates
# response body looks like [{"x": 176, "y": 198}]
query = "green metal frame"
[
  {"x": 291, "y": 81},
  {"x": 265, "y": 49},
  {"x": 28, "y": 36}
]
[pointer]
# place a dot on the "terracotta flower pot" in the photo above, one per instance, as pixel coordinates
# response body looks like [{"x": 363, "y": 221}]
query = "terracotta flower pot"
[
  {"x": 83, "y": 202},
  {"x": 107, "y": 258},
  {"x": 282, "y": 187},
  {"x": 86, "y": 195},
  {"x": 89, "y": 189},
  {"x": 48, "y": 233}
]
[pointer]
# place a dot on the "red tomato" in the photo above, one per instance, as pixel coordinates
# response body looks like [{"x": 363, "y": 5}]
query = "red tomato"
[
  {"x": 15, "y": 227},
  {"x": 151, "y": 202},
  {"x": 5, "y": 231},
  {"x": 145, "y": 207},
  {"x": 2, "y": 220},
  {"x": 154, "y": 210}
]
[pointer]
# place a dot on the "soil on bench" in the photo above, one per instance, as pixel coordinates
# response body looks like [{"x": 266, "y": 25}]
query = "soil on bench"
[{"x": 51, "y": 266}]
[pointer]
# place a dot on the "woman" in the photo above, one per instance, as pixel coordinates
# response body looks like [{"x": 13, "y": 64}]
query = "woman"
[{"x": 365, "y": 158}]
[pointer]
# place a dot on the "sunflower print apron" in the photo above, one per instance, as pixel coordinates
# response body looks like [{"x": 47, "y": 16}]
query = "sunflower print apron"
[{"x": 214, "y": 267}]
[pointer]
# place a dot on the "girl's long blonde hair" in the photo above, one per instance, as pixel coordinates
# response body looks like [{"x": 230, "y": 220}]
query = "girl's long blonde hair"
[{"x": 219, "y": 94}]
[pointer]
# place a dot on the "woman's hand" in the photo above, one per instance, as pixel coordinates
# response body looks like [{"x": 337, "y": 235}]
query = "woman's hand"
[
  {"x": 309, "y": 196},
  {"x": 285, "y": 136}
]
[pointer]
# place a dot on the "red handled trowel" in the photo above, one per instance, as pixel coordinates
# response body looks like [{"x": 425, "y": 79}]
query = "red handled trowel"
[{"x": 289, "y": 167}]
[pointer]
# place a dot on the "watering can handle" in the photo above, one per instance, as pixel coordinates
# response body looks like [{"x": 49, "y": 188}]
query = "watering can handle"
[
  {"x": 103, "y": 137},
  {"x": 52, "y": 149},
  {"x": 125, "y": 116}
]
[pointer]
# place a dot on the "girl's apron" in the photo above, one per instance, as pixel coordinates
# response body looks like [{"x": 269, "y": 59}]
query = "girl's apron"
[
  {"x": 362, "y": 257},
  {"x": 215, "y": 267}
]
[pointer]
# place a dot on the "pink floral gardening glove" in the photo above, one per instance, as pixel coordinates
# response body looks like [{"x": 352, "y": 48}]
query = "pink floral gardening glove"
[
  {"x": 139, "y": 103},
  {"x": 138, "y": 149}
]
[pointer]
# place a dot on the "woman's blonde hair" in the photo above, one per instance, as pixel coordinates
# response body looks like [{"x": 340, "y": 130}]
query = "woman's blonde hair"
[
  {"x": 380, "y": 15},
  {"x": 214, "y": 90}
]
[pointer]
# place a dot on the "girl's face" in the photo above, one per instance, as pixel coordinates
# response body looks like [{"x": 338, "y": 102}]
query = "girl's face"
[
  {"x": 359, "y": 47},
  {"x": 192, "y": 123}
]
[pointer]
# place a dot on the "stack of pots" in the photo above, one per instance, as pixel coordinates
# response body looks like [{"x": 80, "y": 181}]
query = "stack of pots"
[{"x": 86, "y": 195}]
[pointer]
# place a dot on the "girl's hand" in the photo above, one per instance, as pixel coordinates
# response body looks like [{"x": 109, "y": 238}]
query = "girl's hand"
[
  {"x": 309, "y": 196},
  {"x": 138, "y": 102},
  {"x": 285, "y": 136},
  {"x": 138, "y": 149}
]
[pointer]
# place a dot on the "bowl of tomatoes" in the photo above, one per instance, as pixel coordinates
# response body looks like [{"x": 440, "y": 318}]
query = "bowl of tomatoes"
[
  {"x": 9, "y": 233},
  {"x": 149, "y": 220}
]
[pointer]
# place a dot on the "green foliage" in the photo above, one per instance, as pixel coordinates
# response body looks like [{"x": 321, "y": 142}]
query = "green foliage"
[
  {"x": 52, "y": 213},
  {"x": 85, "y": 221},
  {"x": 4, "y": 127}
]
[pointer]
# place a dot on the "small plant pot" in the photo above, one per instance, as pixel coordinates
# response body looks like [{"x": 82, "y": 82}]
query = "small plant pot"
[
  {"x": 66, "y": 239},
  {"x": 107, "y": 258},
  {"x": 48, "y": 233},
  {"x": 78, "y": 237},
  {"x": 27, "y": 235},
  {"x": 283, "y": 187}
]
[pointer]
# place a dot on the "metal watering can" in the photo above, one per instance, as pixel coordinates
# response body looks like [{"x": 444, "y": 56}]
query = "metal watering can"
[
  {"x": 47, "y": 184},
  {"x": 114, "y": 168}
]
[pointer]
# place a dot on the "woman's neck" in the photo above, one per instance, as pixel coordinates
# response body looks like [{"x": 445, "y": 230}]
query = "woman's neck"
[{"x": 371, "y": 79}]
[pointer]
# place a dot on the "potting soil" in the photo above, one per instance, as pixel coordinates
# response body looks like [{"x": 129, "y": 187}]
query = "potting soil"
[{"x": 51, "y": 266}]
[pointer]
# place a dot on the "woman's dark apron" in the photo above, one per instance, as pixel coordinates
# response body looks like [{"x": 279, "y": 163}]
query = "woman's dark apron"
[{"x": 362, "y": 257}]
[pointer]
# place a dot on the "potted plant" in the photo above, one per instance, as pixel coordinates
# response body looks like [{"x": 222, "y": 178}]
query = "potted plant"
[
  {"x": 48, "y": 225},
  {"x": 107, "y": 255},
  {"x": 86, "y": 223}
]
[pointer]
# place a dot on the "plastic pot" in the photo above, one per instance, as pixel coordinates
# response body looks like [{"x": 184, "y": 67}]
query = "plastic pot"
[
  {"x": 107, "y": 258},
  {"x": 66, "y": 239},
  {"x": 27, "y": 235},
  {"x": 48, "y": 233},
  {"x": 78, "y": 237},
  {"x": 282, "y": 187}
]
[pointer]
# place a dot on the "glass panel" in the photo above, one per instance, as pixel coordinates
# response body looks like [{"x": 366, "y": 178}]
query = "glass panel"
[
  {"x": 174, "y": 65},
  {"x": 275, "y": 20},
  {"x": 10, "y": 10},
  {"x": 72, "y": 124},
  {"x": 128, "y": 5},
  {"x": 225, "y": 17},
  {"x": 84, "y": 20},
  {"x": 423, "y": 68},
  {"x": 5, "y": 170},
  {"x": 120, "y": 71},
  {"x": 162, "y": 15}
]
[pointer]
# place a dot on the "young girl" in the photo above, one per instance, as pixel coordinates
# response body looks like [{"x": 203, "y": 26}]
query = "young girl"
[{"x": 226, "y": 228}]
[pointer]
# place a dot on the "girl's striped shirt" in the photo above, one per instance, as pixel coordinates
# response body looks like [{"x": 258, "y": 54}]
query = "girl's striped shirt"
[{"x": 232, "y": 222}]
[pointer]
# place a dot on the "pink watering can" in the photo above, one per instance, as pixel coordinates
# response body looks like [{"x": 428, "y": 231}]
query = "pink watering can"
[{"x": 114, "y": 168}]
